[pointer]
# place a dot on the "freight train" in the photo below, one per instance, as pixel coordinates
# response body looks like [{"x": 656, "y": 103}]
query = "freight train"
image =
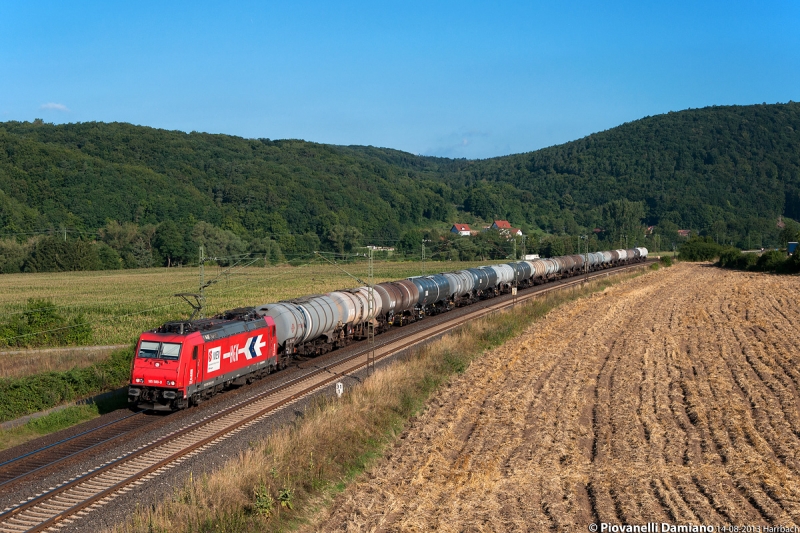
[{"x": 184, "y": 363}]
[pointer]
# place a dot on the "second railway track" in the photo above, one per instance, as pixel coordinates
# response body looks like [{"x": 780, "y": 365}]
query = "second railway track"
[{"x": 92, "y": 489}]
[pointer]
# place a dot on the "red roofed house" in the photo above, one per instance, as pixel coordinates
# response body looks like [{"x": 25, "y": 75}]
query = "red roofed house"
[
  {"x": 684, "y": 232},
  {"x": 512, "y": 232},
  {"x": 504, "y": 227},
  {"x": 461, "y": 229},
  {"x": 501, "y": 224}
]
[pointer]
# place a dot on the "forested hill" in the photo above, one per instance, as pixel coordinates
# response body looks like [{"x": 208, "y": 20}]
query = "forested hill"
[
  {"x": 727, "y": 171},
  {"x": 721, "y": 169}
]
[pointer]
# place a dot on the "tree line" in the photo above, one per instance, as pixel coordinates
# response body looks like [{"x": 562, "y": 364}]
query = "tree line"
[{"x": 138, "y": 196}]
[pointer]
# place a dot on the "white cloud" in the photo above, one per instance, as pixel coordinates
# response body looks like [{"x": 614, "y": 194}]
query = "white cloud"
[{"x": 54, "y": 107}]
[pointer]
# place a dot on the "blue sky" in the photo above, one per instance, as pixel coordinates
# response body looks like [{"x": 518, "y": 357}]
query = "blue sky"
[{"x": 455, "y": 79}]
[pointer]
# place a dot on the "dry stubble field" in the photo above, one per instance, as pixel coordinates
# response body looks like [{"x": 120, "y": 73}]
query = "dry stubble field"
[{"x": 669, "y": 398}]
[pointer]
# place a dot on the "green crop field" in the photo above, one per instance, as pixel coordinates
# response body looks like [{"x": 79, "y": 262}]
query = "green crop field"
[{"x": 121, "y": 304}]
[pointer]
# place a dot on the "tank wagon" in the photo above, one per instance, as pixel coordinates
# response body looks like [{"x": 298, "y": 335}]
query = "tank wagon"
[{"x": 182, "y": 363}]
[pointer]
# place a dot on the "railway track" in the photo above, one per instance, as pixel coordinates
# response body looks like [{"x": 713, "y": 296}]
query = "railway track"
[
  {"x": 23, "y": 466},
  {"x": 78, "y": 496}
]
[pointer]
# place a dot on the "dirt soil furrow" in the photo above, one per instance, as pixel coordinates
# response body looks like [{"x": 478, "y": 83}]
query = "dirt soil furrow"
[{"x": 669, "y": 398}]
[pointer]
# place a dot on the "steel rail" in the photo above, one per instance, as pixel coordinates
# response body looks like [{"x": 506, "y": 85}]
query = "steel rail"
[
  {"x": 107, "y": 481},
  {"x": 105, "y": 427},
  {"x": 43, "y": 448}
]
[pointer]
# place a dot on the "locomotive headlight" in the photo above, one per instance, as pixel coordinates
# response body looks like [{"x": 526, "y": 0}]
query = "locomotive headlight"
[
  {"x": 139, "y": 380},
  {"x": 171, "y": 383}
]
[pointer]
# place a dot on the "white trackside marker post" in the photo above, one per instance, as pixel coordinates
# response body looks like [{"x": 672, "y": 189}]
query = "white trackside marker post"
[{"x": 339, "y": 389}]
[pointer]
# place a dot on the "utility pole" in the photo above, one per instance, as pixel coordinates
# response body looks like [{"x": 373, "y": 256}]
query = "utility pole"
[
  {"x": 423, "y": 254},
  {"x": 524, "y": 251},
  {"x": 515, "y": 249},
  {"x": 370, "y": 305},
  {"x": 371, "y": 323},
  {"x": 586, "y": 257},
  {"x": 202, "y": 279}
]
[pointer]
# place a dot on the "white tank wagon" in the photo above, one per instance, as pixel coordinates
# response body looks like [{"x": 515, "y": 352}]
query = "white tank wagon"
[
  {"x": 314, "y": 325},
  {"x": 461, "y": 285},
  {"x": 505, "y": 276}
]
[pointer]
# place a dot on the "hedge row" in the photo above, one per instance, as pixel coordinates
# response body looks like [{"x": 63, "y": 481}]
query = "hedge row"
[
  {"x": 770, "y": 261},
  {"x": 30, "y": 394}
]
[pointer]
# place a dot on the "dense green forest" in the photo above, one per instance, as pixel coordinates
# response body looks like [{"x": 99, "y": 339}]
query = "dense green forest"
[{"x": 97, "y": 195}]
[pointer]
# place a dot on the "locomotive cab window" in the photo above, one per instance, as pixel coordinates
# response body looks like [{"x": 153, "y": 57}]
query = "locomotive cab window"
[
  {"x": 170, "y": 350},
  {"x": 159, "y": 350},
  {"x": 148, "y": 349}
]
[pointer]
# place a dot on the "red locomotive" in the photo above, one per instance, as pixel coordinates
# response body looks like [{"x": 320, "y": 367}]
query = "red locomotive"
[{"x": 183, "y": 363}]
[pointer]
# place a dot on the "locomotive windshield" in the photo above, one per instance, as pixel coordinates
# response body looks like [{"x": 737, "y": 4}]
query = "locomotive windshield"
[{"x": 159, "y": 350}]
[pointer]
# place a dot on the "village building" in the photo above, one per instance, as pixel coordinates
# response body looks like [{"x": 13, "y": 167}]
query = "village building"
[
  {"x": 461, "y": 229},
  {"x": 505, "y": 228}
]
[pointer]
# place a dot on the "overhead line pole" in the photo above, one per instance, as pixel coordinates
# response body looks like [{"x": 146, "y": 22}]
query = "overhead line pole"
[{"x": 371, "y": 323}]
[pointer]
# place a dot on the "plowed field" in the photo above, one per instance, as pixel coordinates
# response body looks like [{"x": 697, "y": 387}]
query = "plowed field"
[{"x": 673, "y": 397}]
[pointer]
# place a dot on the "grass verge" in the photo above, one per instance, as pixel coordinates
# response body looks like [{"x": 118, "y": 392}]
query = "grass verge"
[
  {"x": 30, "y": 394},
  {"x": 57, "y": 420},
  {"x": 280, "y": 483}
]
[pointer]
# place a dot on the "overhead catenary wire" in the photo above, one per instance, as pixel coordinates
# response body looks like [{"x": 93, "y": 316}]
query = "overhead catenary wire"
[
  {"x": 315, "y": 255},
  {"x": 117, "y": 317}
]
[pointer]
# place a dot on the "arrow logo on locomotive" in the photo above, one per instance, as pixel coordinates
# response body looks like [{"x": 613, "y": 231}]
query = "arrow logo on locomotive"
[{"x": 251, "y": 350}]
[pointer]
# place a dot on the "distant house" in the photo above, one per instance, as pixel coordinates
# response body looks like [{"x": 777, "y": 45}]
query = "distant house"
[
  {"x": 684, "y": 232},
  {"x": 461, "y": 229},
  {"x": 505, "y": 228}
]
